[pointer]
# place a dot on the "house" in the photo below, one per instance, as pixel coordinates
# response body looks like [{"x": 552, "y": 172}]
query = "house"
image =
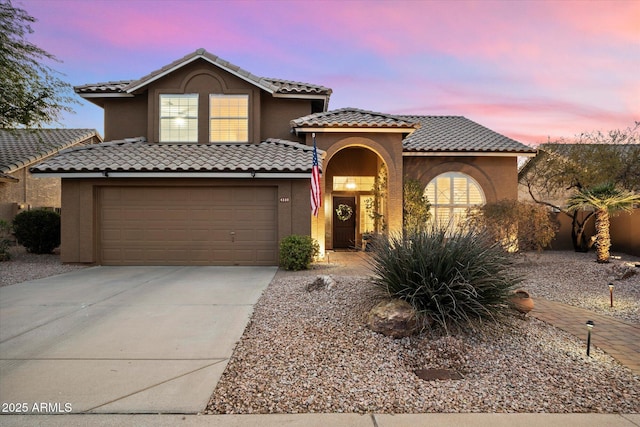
[
  {"x": 532, "y": 178},
  {"x": 210, "y": 164},
  {"x": 23, "y": 148}
]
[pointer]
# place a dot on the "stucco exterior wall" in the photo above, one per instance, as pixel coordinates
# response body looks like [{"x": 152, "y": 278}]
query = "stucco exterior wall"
[
  {"x": 125, "y": 118},
  {"x": 497, "y": 176},
  {"x": 625, "y": 232},
  {"x": 80, "y": 214},
  {"x": 277, "y": 113}
]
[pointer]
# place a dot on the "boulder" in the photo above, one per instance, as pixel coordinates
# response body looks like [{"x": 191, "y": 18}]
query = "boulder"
[
  {"x": 322, "y": 282},
  {"x": 623, "y": 271},
  {"x": 395, "y": 318}
]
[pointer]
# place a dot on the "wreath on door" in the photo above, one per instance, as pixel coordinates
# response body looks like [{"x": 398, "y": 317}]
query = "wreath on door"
[{"x": 344, "y": 212}]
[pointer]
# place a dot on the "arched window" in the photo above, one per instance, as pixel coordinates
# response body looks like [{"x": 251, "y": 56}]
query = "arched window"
[{"x": 451, "y": 194}]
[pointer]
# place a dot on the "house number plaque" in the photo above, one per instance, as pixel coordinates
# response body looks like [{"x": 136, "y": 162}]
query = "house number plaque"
[{"x": 284, "y": 200}]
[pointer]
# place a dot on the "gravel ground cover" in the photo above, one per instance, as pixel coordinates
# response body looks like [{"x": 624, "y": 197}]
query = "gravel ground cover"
[
  {"x": 311, "y": 352},
  {"x": 576, "y": 279},
  {"x": 24, "y": 266}
]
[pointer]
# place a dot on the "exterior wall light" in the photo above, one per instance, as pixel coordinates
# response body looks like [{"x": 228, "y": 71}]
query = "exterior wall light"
[{"x": 590, "y": 325}]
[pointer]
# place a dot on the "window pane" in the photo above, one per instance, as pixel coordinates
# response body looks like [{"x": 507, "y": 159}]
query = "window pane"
[
  {"x": 366, "y": 214},
  {"x": 475, "y": 194},
  {"x": 353, "y": 183},
  {"x": 459, "y": 191},
  {"x": 179, "y": 118},
  {"x": 451, "y": 195},
  {"x": 443, "y": 190},
  {"x": 229, "y": 121}
]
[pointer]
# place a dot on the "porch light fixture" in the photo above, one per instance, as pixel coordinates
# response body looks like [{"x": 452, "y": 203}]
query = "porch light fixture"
[
  {"x": 351, "y": 184},
  {"x": 611, "y": 293},
  {"x": 590, "y": 325}
]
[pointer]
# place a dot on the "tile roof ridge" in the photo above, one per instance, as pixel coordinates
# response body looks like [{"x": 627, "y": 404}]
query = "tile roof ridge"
[{"x": 433, "y": 116}]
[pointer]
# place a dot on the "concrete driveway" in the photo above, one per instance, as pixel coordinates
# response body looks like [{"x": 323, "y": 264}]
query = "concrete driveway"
[{"x": 123, "y": 339}]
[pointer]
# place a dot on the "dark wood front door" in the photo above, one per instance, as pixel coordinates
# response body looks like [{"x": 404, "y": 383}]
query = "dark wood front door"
[{"x": 344, "y": 230}]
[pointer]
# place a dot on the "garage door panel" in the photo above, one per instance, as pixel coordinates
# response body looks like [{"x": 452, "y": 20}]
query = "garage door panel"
[{"x": 188, "y": 225}]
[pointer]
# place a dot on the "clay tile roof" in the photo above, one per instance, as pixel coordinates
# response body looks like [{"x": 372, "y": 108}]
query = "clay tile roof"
[
  {"x": 136, "y": 155},
  {"x": 289, "y": 86},
  {"x": 22, "y": 147},
  {"x": 199, "y": 54},
  {"x": 458, "y": 134},
  {"x": 268, "y": 84},
  {"x": 354, "y": 117},
  {"x": 106, "y": 87}
]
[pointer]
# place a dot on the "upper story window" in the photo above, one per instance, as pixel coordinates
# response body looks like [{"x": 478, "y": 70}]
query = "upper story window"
[
  {"x": 229, "y": 118},
  {"x": 179, "y": 117},
  {"x": 451, "y": 194}
]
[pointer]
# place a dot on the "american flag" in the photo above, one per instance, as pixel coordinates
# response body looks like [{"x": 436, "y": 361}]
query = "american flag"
[{"x": 316, "y": 191}]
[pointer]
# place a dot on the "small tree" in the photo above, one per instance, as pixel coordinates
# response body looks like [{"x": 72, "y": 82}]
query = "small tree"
[
  {"x": 32, "y": 94},
  {"x": 415, "y": 207},
  {"x": 603, "y": 200},
  {"x": 374, "y": 204},
  {"x": 590, "y": 159}
]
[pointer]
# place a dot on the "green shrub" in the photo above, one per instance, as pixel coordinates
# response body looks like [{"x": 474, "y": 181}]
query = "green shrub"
[
  {"x": 38, "y": 230},
  {"x": 297, "y": 252},
  {"x": 449, "y": 279}
]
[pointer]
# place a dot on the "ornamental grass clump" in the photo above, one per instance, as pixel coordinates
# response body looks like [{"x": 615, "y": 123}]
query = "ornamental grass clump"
[{"x": 450, "y": 279}]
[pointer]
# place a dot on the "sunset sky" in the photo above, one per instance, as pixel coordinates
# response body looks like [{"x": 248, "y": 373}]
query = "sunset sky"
[{"x": 528, "y": 69}]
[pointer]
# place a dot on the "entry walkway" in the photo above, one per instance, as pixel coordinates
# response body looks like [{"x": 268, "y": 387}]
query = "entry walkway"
[{"x": 618, "y": 339}]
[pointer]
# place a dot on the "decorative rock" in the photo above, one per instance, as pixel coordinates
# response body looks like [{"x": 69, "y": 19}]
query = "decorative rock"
[
  {"x": 322, "y": 282},
  {"x": 521, "y": 301},
  {"x": 623, "y": 271},
  {"x": 395, "y": 318}
]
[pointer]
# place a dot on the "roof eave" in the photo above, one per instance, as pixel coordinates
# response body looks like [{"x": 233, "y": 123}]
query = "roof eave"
[
  {"x": 106, "y": 95},
  {"x": 467, "y": 154},
  {"x": 301, "y": 96},
  {"x": 172, "y": 174},
  {"x": 360, "y": 129}
]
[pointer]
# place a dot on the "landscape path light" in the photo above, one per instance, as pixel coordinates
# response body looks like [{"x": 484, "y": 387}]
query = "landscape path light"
[
  {"x": 589, "y": 328},
  {"x": 611, "y": 293}
]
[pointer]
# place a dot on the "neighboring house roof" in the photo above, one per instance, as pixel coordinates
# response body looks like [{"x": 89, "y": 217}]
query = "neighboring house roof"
[
  {"x": 457, "y": 134},
  {"x": 353, "y": 118},
  {"x": 564, "y": 150},
  {"x": 23, "y": 147},
  {"x": 139, "y": 158},
  {"x": 274, "y": 86}
]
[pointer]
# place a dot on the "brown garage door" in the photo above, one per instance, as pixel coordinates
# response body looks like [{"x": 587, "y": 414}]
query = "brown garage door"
[{"x": 188, "y": 226}]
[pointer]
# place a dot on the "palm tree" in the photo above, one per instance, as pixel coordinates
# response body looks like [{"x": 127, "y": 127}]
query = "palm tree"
[{"x": 604, "y": 200}]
